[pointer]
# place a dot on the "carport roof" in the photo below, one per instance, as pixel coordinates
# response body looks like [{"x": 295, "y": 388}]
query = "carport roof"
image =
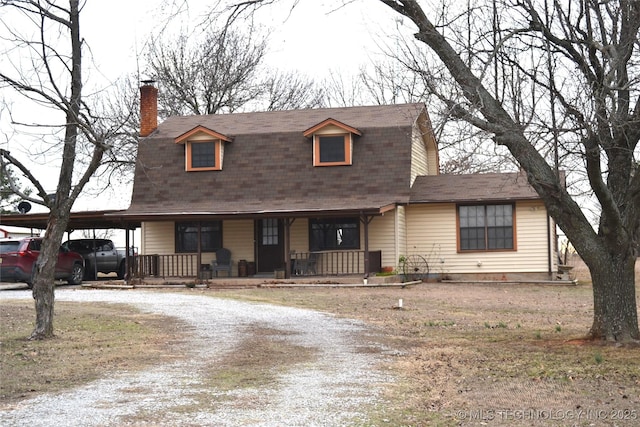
[{"x": 86, "y": 220}]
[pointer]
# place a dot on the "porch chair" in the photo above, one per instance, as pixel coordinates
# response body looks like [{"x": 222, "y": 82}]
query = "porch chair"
[
  {"x": 306, "y": 266},
  {"x": 222, "y": 262}
]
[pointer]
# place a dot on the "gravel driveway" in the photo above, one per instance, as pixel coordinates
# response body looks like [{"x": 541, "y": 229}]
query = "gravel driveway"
[{"x": 335, "y": 388}]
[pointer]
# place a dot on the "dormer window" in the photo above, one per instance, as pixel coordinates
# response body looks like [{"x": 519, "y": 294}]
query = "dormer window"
[
  {"x": 204, "y": 149},
  {"x": 332, "y": 143},
  {"x": 331, "y": 150},
  {"x": 202, "y": 155}
]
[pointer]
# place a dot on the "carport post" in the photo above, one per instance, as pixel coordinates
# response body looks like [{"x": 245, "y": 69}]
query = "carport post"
[{"x": 127, "y": 258}]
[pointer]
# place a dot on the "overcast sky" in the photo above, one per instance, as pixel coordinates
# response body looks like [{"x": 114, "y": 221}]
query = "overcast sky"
[{"x": 314, "y": 39}]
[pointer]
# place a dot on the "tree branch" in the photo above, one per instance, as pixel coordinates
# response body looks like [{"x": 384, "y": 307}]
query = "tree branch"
[{"x": 4, "y": 154}]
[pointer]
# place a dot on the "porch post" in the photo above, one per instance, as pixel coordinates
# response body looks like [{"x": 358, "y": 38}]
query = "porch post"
[
  {"x": 287, "y": 246},
  {"x": 199, "y": 256},
  {"x": 366, "y": 220}
]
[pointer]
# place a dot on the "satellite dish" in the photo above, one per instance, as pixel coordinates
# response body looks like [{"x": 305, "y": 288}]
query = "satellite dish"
[{"x": 24, "y": 207}]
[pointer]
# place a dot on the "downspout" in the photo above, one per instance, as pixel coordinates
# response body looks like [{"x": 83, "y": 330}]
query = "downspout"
[
  {"x": 396, "y": 226},
  {"x": 550, "y": 250}
]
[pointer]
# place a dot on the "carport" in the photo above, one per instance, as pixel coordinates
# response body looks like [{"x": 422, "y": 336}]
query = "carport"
[{"x": 85, "y": 220}]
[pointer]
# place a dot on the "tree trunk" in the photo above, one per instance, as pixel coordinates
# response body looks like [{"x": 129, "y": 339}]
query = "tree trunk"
[
  {"x": 44, "y": 283},
  {"x": 43, "y": 293},
  {"x": 615, "y": 317}
]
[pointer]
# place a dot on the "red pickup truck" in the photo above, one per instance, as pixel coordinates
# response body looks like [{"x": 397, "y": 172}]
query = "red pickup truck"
[{"x": 18, "y": 258}]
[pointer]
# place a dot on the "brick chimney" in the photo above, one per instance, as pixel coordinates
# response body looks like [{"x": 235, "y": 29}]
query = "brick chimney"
[{"x": 148, "y": 108}]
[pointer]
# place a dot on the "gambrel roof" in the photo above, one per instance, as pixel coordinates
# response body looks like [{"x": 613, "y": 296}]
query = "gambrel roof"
[{"x": 268, "y": 168}]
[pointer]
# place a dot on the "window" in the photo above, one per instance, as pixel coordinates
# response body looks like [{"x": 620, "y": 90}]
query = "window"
[
  {"x": 187, "y": 236},
  {"x": 35, "y": 245},
  {"x": 105, "y": 246},
  {"x": 270, "y": 232},
  {"x": 9, "y": 246},
  {"x": 202, "y": 155},
  {"x": 486, "y": 227},
  {"x": 334, "y": 233},
  {"x": 332, "y": 150}
]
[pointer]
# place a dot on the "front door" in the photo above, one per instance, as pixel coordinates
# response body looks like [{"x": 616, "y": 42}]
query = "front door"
[{"x": 270, "y": 248}]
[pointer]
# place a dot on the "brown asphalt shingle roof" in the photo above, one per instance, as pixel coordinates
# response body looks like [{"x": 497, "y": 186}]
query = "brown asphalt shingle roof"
[
  {"x": 268, "y": 167},
  {"x": 471, "y": 188}
]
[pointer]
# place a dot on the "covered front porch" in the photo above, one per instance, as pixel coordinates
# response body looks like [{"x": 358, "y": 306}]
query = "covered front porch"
[
  {"x": 337, "y": 243},
  {"x": 323, "y": 244},
  {"x": 301, "y": 264}
]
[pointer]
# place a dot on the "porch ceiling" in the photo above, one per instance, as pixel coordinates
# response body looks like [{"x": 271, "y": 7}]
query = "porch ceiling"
[
  {"x": 154, "y": 213},
  {"x": 131, "y": 219}
]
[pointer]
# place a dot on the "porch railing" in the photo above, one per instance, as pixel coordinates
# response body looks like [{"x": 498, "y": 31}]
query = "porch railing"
[
  {"x": 173, "y": 265},
  {"x": 331, "y": 263},
  {"x": 337, "y": 263}
]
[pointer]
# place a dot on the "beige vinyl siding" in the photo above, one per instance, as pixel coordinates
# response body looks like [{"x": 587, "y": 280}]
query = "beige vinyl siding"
[
  {"x": 553, "y": 251},
  {"x": 431, "y": 232},
  {"x": 433, "y": 161},
  {"x": 432, "y": 157},
  {"x": 533, "y": 236},
  {"x": 382, "y": 237},
  {"x": 419, "y": 164},
  {"x": 424, "y": 150},
  {"x": 158, "y": 238},
  {"x": 299, "y": 235},
  {"x": 237, "y": 236}
]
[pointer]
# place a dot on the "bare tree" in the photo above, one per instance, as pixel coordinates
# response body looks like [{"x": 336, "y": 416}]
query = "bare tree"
[
  {"x": 594, "y": 49},
  {"x": 223, "y": 72},
  {"x": 511, "y": 67},
  {"x": 288, "y": 91},
  {"x": 214, "y": 75},
  {"x": 404, "y": 78},
  {"x": 43, "y": 64}
]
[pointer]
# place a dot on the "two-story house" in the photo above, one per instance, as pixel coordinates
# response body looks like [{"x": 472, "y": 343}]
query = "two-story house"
[{"x": 358, "y": 187}]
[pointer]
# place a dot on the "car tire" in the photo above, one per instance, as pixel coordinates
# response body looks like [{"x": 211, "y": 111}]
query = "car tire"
[
  {"x": 122, "y": 270},
  {"x": 77, "y": 272}
]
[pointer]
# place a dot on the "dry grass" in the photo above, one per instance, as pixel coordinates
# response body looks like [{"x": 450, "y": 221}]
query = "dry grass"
[
  {"x": 463, "y": 354},
  {"x": 91, "y": 340},
  {"x": 482, "y": 351}
]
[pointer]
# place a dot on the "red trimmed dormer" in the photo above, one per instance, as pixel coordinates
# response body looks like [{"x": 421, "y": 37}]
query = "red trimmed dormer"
[
  {"x": 332, "y": 143},
  {"x": 204, "y": 149}
]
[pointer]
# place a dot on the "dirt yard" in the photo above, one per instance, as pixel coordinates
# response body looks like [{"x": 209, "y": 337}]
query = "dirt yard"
[
  {"x": 468, "y": 354},
  {"x": 488, "y": 354}
]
